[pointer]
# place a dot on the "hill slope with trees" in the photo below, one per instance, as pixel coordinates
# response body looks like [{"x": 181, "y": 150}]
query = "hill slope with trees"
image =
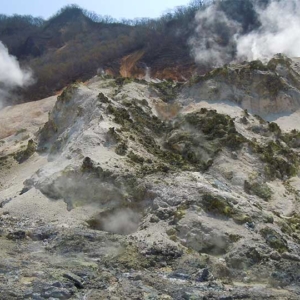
[{"x": 74, "y": 44}]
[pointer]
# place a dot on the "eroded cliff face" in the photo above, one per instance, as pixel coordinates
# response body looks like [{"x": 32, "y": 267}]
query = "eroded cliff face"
[
  {"x": 260, "y": 88},
  {"x": 133, "y": 192},
  {"x": 129, "y": 66},
  {"x": 136, "y": 65}
]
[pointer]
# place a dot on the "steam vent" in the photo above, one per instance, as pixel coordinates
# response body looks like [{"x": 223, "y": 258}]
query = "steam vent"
[{"x": 153, "y": 158}]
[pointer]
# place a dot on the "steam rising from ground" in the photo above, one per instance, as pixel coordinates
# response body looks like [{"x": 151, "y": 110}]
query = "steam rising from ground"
[
  {"x": 122, "y": 221},
  {"x": 11, "y": 74},
  {"x": 219, "y": 40},
  {"x": 214, "y": 41},
  {"x": 279, "y": 32}
]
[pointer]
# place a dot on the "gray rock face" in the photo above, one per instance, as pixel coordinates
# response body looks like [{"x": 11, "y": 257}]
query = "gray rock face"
[
  {"x": 261, "y": 89},
  {"x": 120, "y": 202}
]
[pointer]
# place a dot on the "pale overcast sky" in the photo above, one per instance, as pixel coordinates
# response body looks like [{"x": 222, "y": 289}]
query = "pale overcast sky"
[{"x": 118, "y": 9}]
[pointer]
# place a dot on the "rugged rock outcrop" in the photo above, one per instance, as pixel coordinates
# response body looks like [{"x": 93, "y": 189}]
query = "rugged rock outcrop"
[
  {"x": 121, "y": 202},
  {"x": 260, "y": 88}
]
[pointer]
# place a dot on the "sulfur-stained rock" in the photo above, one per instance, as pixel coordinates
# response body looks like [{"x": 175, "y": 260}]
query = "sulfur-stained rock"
[
  {"x": 274, "y": 239},
  {"x": 121, "y": 202}
]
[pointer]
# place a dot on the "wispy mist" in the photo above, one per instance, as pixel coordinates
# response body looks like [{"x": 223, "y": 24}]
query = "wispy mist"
[
  {"x": 11, "y": 74},
  {"x": 219, "y": 39}
]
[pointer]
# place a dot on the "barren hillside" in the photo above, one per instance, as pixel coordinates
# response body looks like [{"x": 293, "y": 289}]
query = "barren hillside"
[{"x": 148, "y": 190}]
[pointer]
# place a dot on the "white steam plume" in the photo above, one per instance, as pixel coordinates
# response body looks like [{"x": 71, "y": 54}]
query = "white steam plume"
[
  {"x": 11, "y": 74},
  {"x": 279, "y": 32},
  {"x": 215, "y": 36},
  {"x": 123, "y": 221},
  {"x": 219, "y": 40}
]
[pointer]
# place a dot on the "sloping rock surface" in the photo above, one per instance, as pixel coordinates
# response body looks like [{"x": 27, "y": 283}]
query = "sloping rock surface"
[{"x": 120, "y": 195}]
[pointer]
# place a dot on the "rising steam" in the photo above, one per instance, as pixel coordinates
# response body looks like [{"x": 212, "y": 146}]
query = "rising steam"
[
  {"x": 279, "y": 32},
  {"x": 219, "y": 39},
  {"x": 123, "y": 221},
  {"x": 214, "y": 42},
  {"x": 11, "y": 74}
]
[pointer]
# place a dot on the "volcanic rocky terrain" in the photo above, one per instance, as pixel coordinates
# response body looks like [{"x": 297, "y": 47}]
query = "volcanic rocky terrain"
[{"x": 130, "y": 189}]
